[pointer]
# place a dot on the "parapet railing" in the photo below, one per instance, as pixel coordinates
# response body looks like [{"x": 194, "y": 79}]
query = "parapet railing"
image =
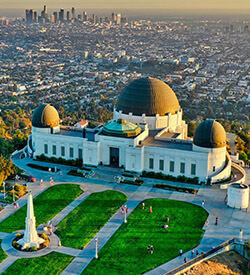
[
  {"x": 242, "y": 171},
  {"x": 199, "y": 258}
]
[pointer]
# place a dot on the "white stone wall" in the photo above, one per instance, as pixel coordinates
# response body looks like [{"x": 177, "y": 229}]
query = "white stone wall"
[{"x": 154, "y": 122}]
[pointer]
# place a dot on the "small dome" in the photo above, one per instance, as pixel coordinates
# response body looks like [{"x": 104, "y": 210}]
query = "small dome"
[
  {"x": 210, "y": 134},
  {"x": 45, "y": 116},
  {"x": 149, "y": 96},
  {"x": 121, "y": 128}
]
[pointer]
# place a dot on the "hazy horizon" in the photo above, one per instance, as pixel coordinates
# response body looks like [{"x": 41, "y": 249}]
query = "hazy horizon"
[{"x": 147, "y": 13}]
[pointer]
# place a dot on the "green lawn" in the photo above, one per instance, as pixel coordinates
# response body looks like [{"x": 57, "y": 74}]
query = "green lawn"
[
  {"x": 53, "y": 263},
  {"x": 3, "y": 255},
  {"x": 46, "y": 206},
  {"x": 126, "y": 251},
  {"x": 82, "y": 224}
]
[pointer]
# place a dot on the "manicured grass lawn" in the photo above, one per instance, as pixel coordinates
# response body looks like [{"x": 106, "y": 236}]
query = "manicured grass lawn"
[
  {"x": 53, "y": 263},
  {"x": 46, "y": 206},
  {"x": 126, "y": 251},
  {"x": 3, "y": 256},
  {"x": 82, "y": 224}
]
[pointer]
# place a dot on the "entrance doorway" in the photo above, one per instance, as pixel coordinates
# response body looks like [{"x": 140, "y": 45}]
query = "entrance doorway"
[{"x": 114, "y": 156}]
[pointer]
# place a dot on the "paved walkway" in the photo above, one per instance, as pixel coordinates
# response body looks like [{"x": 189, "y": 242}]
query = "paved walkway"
[
  {"x": 230, "y": 220},
  {"x": 7, "y": 263}
]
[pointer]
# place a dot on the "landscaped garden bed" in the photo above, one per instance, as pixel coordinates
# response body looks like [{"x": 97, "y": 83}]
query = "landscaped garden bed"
[
  {"x": 53, "y": 263},
  {"x": 75, "y": 173},
  {"x": 162, "y": 176},
  {"x": 82, "y": 224},
  {"x": 43, "y": 168},
  {"x": 19, "y": 191},
  {"x": 71, "y": 162},
  {"x": 3, "y": 255},
  {"x": 126, "y": 251},
  {"x": 136, "y": 182},
  {"x": 176, "y": 188},
  {"x": 33, "y": 248},
  {"x": 46, "y": 205}
]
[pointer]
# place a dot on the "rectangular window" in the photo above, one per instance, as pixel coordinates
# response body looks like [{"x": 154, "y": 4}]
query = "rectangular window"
[
  {"x": 45, "y": 148},
  {"x": 151, "y": 163},
  {"x": 193, "y": 169},
  {"x": 71, "y": 152},
  {"x": 182, "y": 168},
  {"x": 161, "y": 164},
  {"x": 80, "y": 153},
  {"x": 171, "y": 166},
  {"x": 62, "y": 151},
  {"x": 54, "y": 149}
]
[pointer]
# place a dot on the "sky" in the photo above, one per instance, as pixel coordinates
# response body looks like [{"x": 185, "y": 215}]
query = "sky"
[
  {"x": 131, "y": 4},
  {"x": 185, "y": 6}
]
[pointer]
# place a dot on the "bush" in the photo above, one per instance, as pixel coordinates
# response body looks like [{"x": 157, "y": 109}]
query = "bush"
[
  {"x": 75, "y": 173},
  {"x": 162, "y": 176},
  {"x": 71, "y": 162},
  {"x": 127, "y": 175},
  {"x": 176, "y": 188},
  {"x": 33, "y": 248},
  {"x": 44, "y": 236}
]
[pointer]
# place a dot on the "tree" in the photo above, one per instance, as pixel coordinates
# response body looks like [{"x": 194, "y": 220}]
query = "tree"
[{"x": 6, "y": 168}]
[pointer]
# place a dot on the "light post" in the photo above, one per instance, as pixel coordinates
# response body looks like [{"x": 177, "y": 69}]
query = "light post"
[
  {"x": 13, "y": 193},
  {"x": 125, "y": 214},
  {"x": 96, "y": 248},
  {"x": 4, "y": 190}
]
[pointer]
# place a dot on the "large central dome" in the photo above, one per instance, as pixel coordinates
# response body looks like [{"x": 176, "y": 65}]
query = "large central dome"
[{"x": 149, "y": 96}]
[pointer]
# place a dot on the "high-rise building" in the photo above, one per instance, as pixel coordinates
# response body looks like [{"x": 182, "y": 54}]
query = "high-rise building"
[
  {"x": 118, "y": 19},
  {"x": 44, "y": 12},
  {"x": 231, "y": 28},
  {"x": 113, "y": 17},
  {"x": 35, "y": 16},
  {"x": 246, "y": 28},
  {"x": 85, "y": 16},
  {"x": 68, "y": 16},
  {"x": 124, "y": 20},
  {"x": 79, "y": 17},
  {"x": 55, "y": 15},
  {"x": 61, "y": 15},
  {"x": 73, "y": 13},
  {"x": 94, "y": 17},
  {"x": 29, "y": 16}
]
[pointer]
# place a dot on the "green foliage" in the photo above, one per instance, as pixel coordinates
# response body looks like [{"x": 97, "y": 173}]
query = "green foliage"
[
  {"x": 46, "y": 205},
  {"x": 176, "y": 188},
  {"x": 136, "y": 182},
  {"x": 82, "y": 224},
  {"x": 33, "y": 248},
  {"x": 71, "y": 162},
  {"x": 162, "y": 176},
  {"x": 42, "y": 168},
  {"x": 53, "y": 263},
  {"x": 247, "y": 246},
  {"x": 129, "y": 243},
  {"x": 75, "y": 173}
]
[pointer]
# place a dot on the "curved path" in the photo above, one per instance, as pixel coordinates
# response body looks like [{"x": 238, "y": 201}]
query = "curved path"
[{"x": 230, "y": 220}]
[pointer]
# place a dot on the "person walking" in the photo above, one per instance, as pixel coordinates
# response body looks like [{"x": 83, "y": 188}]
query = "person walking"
[
  {"x": 203, "y": 203},
  {"x": 122, "y": 208},
  {"x": 185, "y": 259},
  {"x": 148, "y": 248},
  {"x": 216, "y": 220},
  {"x": 192, "y": 252},
  {"x": 151, "y": 249},
  {"x": 197, "y": 253},
  {"x": 180, "y": 252},
  {"x": 41, "y": 181},
  {"x": 143, "y": 205},
  {"x": 207, "y": 222},
  {"x": 150, "y": 209}
]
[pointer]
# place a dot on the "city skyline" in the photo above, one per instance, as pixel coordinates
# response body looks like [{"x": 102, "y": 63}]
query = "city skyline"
[{"x": 192, "y": 6}]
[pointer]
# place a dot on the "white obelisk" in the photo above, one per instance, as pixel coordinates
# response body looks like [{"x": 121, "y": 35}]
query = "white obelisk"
[{"x": 30, "y": 237}]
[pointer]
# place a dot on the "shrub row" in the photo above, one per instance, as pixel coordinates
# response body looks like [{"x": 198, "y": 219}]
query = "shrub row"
[
  {"x": 75, "y": 173},
  {"x": 136, "y": 182},
  {"x": 128, "y": 175},
  {"x": 42, "y": 168},
  {"x": 176, "y": 188},
  {"x": 162, "y": 176},
  {"x": 71, "y": 162}
]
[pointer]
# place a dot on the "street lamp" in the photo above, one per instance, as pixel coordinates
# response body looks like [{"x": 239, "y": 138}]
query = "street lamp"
[
  {"x": 4, "y": 190},
  {"x": 13, "y": 193},
  {"x": 125, "y": 214},
  {"x": 96, "y": 248}
]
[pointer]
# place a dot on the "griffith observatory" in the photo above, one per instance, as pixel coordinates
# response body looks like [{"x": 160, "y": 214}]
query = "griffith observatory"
[{"x": 147, "y": 133}]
